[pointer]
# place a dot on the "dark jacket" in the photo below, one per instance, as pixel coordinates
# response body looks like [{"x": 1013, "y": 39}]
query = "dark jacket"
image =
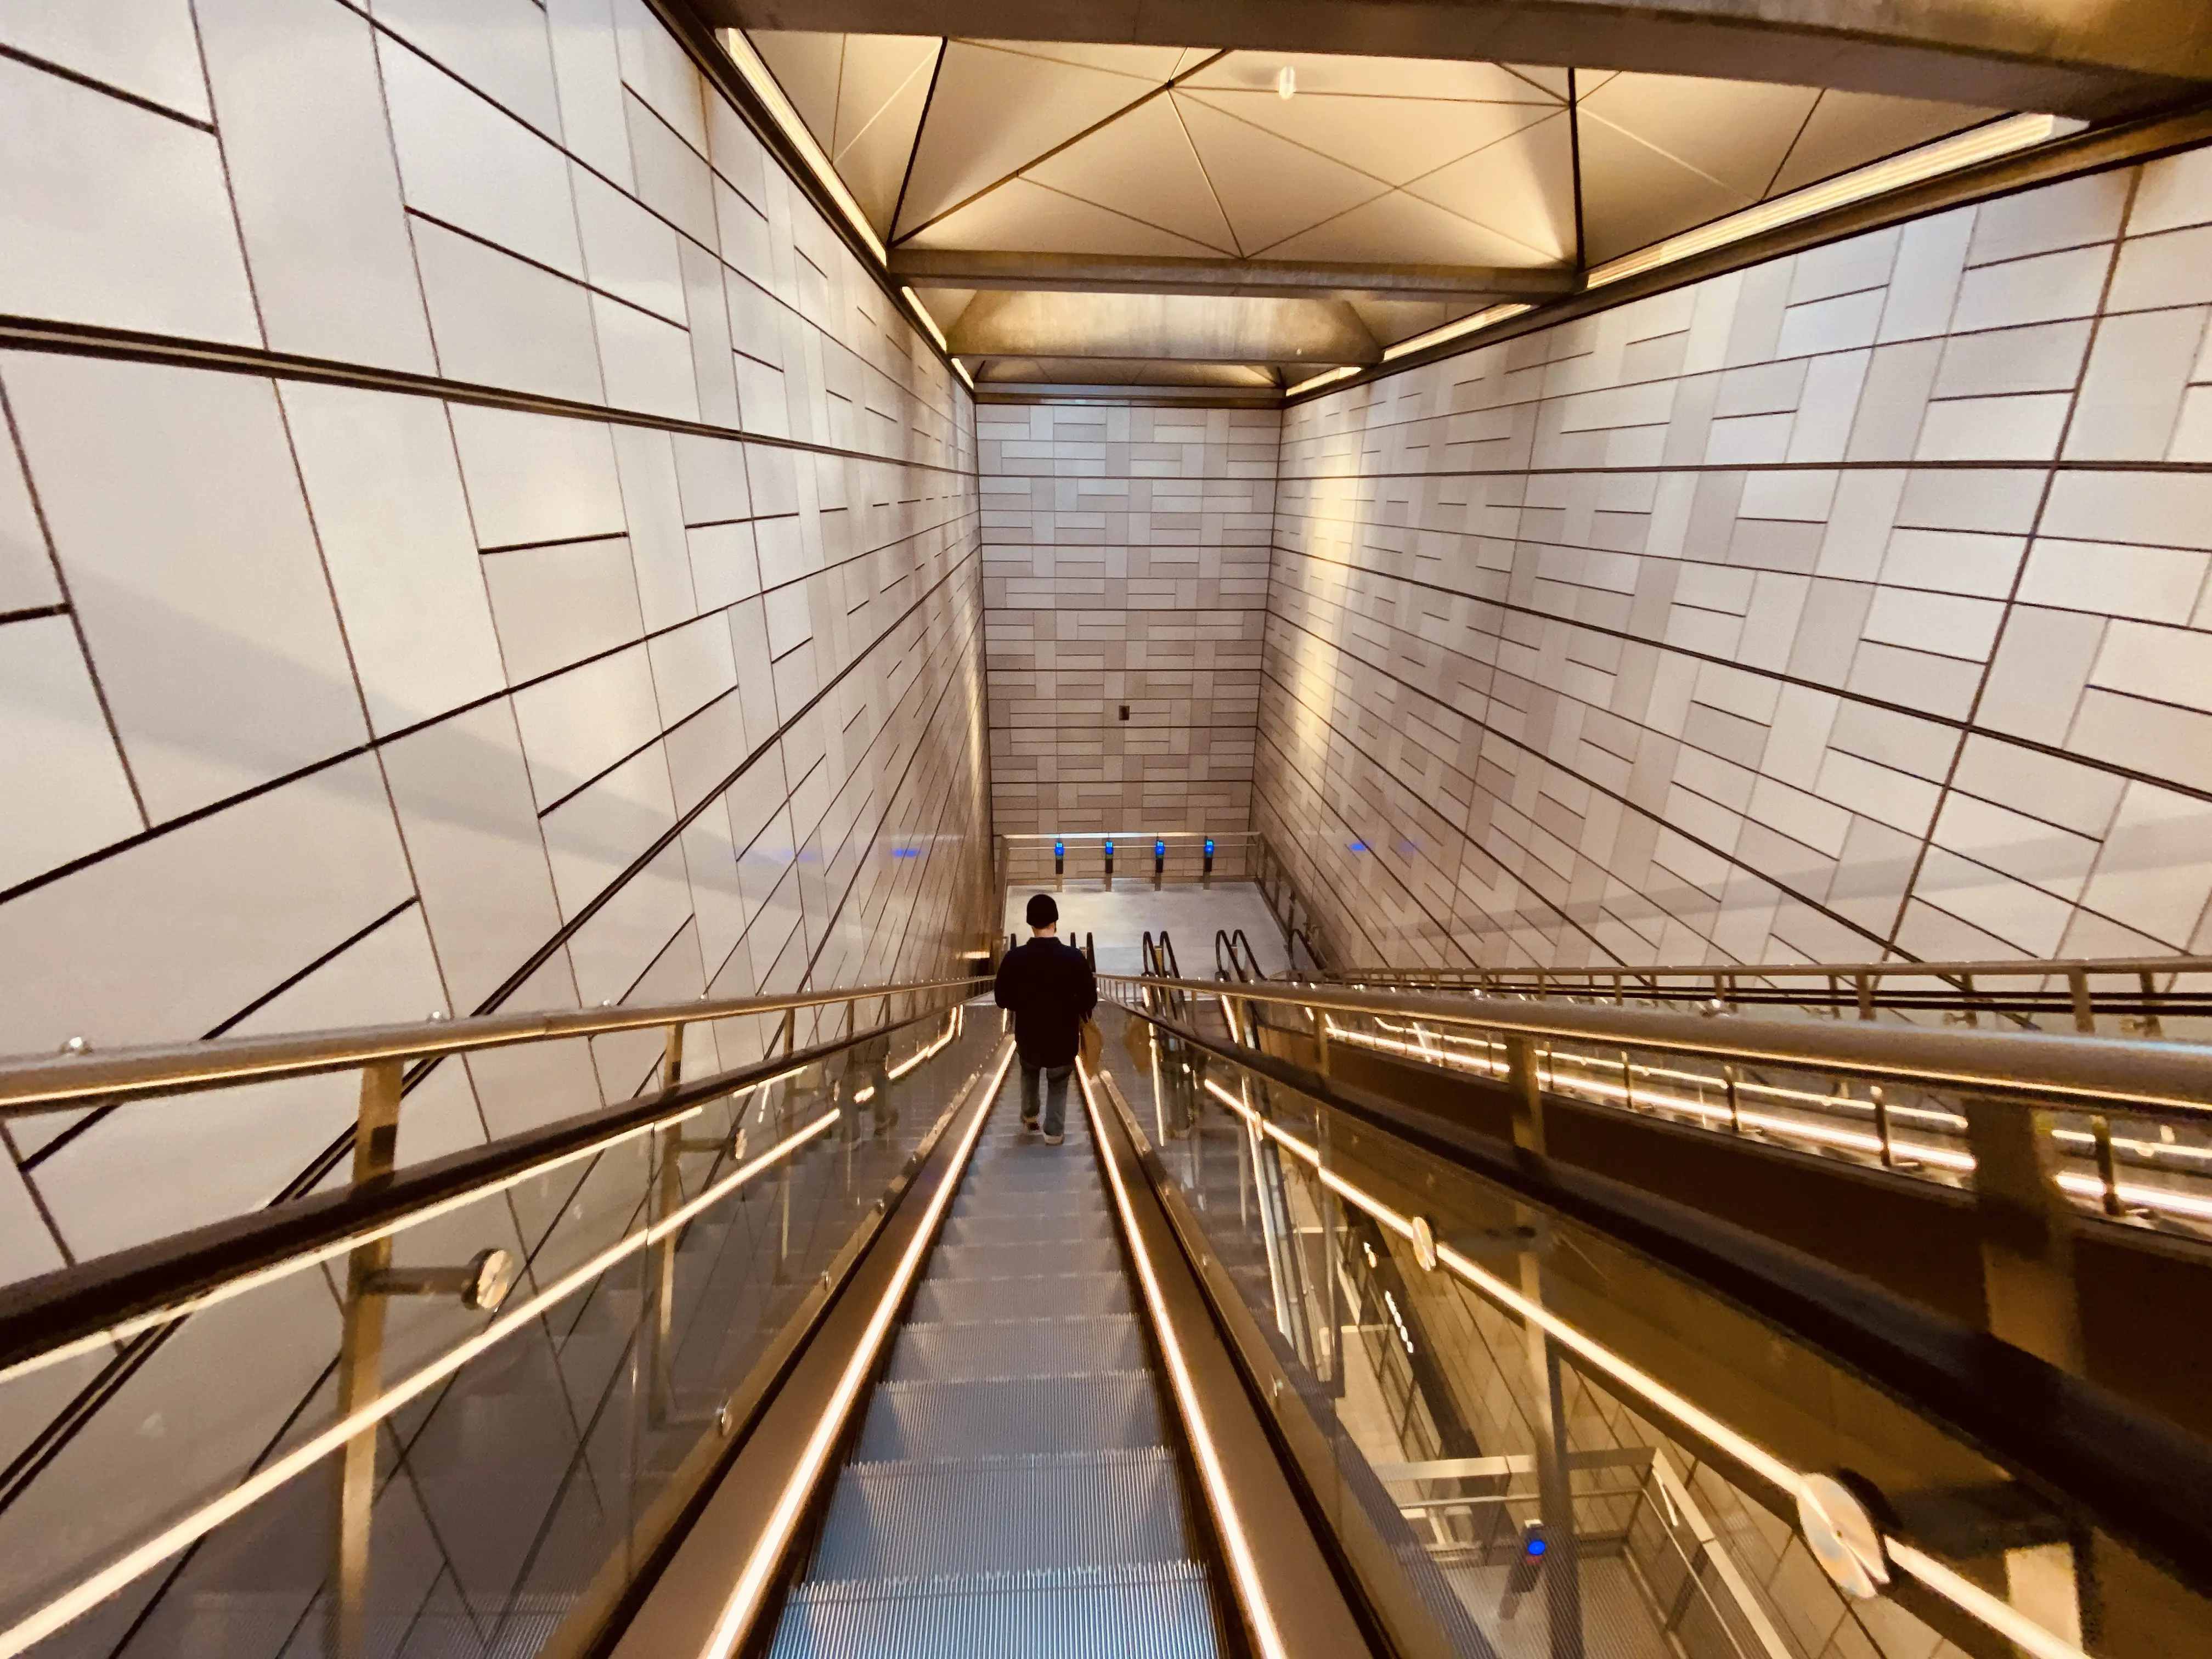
[{"x": 1050, "y": 986}]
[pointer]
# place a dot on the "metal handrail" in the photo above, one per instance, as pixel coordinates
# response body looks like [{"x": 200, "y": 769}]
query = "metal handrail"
[
  {"x": 2087, "y": 1073},
  {"x": 112, "y": 1297},
  {"x": 2138, "y": 1475},
  {"x": 31, "y": 1084},
  {"x": 1708, "y": 971},
  {"x": 2063, "y": 987}
]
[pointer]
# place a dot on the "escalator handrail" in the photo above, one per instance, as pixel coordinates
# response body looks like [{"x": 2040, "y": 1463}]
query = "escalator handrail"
[
  {"x": 42, "y": 1315},
  {"x": 1251, "y": 956},
  {"x": 2144, "y": 1480},
  {"x": 32, "y": 1084},
  {"x": 2152, "y": 1079},
  {"x": 1997, "y": 968}
]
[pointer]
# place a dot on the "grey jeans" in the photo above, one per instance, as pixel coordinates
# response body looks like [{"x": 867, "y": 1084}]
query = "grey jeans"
[{"x": 1056, "y": 1095}]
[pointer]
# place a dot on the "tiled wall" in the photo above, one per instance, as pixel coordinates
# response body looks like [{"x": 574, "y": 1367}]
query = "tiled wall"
[
  {"x": 326, "y": 703},
  {"x": 1853, "y": 603},
  {"x": 1125, "y": 563}
]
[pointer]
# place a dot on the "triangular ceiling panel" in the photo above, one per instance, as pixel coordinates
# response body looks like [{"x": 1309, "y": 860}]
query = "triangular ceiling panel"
[
  {"x": 1370, "y": 77},
  {"x": 1153, "y": 64},
  {"x": 1143, "y": 166},
  {"x": 1849, "y": 129},
  {"x": 1735, "y": 132},
  {"x": 878, "y": 69},
  {"x": 993, "y": 113},
  {"x": 884, "y": 92},
  {"x": 1270, "y": 187},
  {"x": 1633, "y": 194},
  {"x": 1401, "y": 229},
  {"x": 807, "y": 65},
  {"x": 1395, "y": 139},
  {"x": 1028, "y": 217},
  {"x": 1553, "y": 81},
  {"x": 1523, "y": 189}
]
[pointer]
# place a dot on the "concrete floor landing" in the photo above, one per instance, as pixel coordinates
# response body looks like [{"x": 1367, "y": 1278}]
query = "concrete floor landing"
[{"x": 1191, "y": 914}]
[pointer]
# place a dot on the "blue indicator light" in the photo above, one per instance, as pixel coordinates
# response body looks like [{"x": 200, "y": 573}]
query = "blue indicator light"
[
  {"x": 1109, "y": 849},
  {"x": 904, "y": 852},
  {"x": 1209, "y": 846},
  {"x": 1160, "y": 849},
  {"x": 1059, "y": 850},
  {"x": 1359, "y": 847},
  {"x": 1535, "y": 1547}
]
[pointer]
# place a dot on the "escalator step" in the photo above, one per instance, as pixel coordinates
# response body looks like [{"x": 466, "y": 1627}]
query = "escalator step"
[
  {"x": 1038, "y": 1296},
  {"x": 1161, "y": 1611},
  {"x": 1020, "y": 1513},
  {"x": 1028, "y": 1229},
  {"x": 932, "y": 1421},
  {"x": 1025, "y": 1347},
  {"x": 973, "y": 1203},
  {"x": 1094, "y": 1255}
]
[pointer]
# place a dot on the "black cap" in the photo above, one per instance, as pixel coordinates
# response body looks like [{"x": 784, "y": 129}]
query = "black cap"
[{"x": 1042, "y": 912}]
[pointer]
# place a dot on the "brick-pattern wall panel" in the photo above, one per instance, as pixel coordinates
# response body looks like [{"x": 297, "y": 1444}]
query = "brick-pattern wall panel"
[
  {"x": 1126, "y": 557},
  {"x": 1854, "y": 604}
]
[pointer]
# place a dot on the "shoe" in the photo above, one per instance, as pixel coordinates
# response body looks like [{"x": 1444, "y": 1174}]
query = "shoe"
[
  {"x": 1054, "y": 1141},
  {"x": 1028, "y": 1124}
]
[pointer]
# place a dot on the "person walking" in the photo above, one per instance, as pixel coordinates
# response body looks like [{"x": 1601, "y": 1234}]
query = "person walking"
[{"x": 1050, "y": 990}]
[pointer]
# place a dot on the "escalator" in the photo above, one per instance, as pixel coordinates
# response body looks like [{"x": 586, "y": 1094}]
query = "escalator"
[
  {"x": 808, "y": 1349},
  {"x": 1014, "y": 1486}
]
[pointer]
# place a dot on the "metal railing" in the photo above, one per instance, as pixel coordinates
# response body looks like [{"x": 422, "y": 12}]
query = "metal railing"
[
  {"x": 2136, "y": 996},
  {"x": 2035, "y": 1124},
  {"x": 1504, "y": 1233},
  {"x": 125, "y": 1305}
]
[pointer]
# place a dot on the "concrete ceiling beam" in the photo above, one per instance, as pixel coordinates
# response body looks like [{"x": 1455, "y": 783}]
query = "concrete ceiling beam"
[
  {"x": 2095, "y": 62},
  {"x": 1162, "y": 327},
  {"x": 1083, "y": 273}
]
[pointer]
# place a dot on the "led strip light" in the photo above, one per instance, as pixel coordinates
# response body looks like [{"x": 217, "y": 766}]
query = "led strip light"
[
  {"x": 746, "y": 1596},
  {"x": 952, "y": 1030},
  {"x": 1997, "y": 1614},
  {"x": 90, "y": 1592},
  {"x": 2073, "y": 1182},
  {"x": 322, "y": 1253},
  {"x": 1268, "y": 1639}
]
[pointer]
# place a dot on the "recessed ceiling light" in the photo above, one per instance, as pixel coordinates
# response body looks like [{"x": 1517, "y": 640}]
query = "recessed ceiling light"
[{"x": 1286, "y": 82}]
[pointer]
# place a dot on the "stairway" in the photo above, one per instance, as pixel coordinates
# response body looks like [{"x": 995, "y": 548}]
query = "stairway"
[{"x": 1011, "y": 1491}]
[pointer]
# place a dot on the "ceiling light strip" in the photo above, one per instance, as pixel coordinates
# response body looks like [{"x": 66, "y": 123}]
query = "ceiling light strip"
[
  {"x": 1452, "y": 331},
  {"x": 90, "y": 1592},
  {"x": 1322, "y": 379},
  {"x": 1963, "y": 149},
  {"x": 927, "y": 321},
  {"x": 744, "y": 1604},
  {"x": 787, "y": 118},
  {"x": 1267, "y": 1636},
  {"x": 1969, "y": 1597}
]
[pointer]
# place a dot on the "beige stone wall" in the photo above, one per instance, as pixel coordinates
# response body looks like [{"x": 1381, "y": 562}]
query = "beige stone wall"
[
  {"x": 1850, "y": 605},
  {"x": 1125, "y": 563}
]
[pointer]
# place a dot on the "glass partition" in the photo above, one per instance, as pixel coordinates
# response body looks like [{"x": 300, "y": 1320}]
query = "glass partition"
[
  {"x": 366, "y": 1455},
  {"x": 1577, "y": 1452}
]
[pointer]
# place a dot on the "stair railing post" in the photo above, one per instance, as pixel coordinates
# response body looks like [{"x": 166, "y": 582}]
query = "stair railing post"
[
  {"x": 2027, "y": 1228},
  {"x": 667, "y": 1195},
  {"x": 361, "y": 1358}
]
